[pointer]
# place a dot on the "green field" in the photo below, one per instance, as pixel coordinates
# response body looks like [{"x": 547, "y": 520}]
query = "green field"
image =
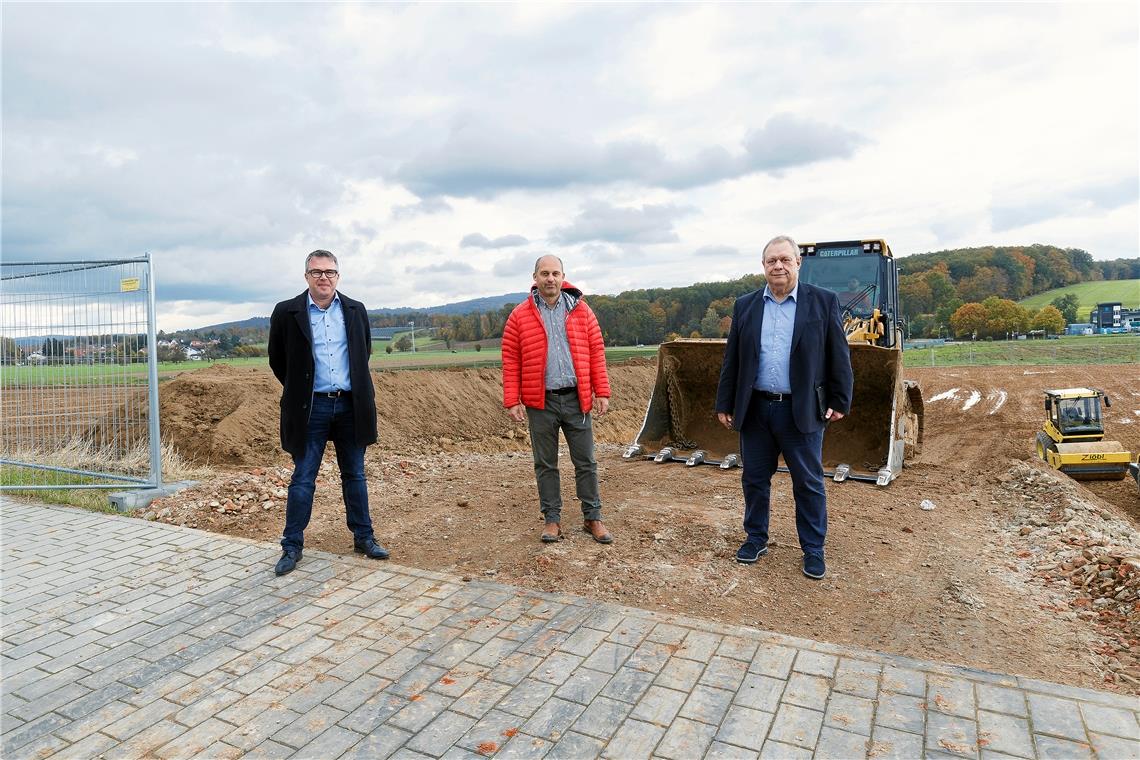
[
  {"x": 1127, "y": 292},
  {"x": 130, "y": 374},
  {"x": 1069, "y": 349}
]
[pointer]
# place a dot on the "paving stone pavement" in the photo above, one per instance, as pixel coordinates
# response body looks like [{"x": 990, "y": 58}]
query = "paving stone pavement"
[{"x": 129, "y": 639}]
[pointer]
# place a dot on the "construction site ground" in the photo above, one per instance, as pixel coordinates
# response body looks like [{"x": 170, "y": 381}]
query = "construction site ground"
[{"x": 1016, "y": 568}]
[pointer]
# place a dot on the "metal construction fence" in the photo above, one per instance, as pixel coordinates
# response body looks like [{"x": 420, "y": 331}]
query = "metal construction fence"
[{"x": 78, "y": 375}]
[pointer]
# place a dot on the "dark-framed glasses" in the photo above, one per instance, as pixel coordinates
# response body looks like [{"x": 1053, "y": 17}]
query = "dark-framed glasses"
[{"x": 327, "y": 274}]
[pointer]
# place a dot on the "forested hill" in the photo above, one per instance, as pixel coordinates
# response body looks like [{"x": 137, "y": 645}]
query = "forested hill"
[{"x": 932, "y": 287}]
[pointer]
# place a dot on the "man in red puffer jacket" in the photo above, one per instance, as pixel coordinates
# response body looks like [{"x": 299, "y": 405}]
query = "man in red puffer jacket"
[{"x": 554, "y": 375}]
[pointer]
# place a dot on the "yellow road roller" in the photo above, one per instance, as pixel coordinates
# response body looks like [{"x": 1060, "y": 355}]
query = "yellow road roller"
[{"x": 1072, "y": 438}]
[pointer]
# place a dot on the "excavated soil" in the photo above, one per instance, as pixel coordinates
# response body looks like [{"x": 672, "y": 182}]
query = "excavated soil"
[{"x": 1016, "y": 568}]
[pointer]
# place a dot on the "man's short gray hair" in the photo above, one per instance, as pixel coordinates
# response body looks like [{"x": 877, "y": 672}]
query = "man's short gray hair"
[
  {"x": 780, "y": 239},
  {"x": 320, "y": 254},
  {"x": 551, "y": 256}
]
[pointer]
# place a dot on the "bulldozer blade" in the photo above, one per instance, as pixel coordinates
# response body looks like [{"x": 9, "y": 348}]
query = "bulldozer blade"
[{"x": 883, "y": 428}]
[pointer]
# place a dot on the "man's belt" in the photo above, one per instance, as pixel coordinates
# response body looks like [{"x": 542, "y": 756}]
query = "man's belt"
[
  {"x": 334, "y": 394},
  {"x": 773, "y": 396},
  {"x": 563, "y": 391}
]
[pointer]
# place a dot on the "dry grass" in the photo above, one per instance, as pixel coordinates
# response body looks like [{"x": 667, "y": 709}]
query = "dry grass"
[{"x": 81, "y": 454}]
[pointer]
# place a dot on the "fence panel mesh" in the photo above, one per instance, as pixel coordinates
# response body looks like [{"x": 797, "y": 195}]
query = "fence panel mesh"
[{"x": 78, "y": 378}]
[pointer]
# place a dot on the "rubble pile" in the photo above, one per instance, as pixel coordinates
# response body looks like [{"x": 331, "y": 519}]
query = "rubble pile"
[
  {"x": 1086, "y": 556},
  {"x": 241, "y": 497}
]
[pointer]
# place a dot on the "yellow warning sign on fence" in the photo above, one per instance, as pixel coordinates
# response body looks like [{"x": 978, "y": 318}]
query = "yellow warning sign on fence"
[{"x": 128, "y": 284}]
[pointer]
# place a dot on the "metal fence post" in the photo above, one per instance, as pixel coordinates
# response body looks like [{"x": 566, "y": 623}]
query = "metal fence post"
[{"x": 152, "y": 375}]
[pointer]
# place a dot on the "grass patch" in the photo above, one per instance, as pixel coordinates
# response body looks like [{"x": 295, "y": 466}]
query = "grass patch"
[
  {"x": 79, "y": 454},
  {"x": 1069, "y": 349},
  {"x": 1127, "y": 292}
]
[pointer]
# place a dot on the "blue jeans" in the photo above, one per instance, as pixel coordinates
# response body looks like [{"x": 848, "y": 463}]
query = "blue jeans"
[
  {"x": 768, "y": 431},
  {"x": 330, "y": 419}
]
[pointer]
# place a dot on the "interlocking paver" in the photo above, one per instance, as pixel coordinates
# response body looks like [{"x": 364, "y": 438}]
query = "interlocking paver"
[
  {"x": 435, "y": 738},
  {"x": 797, "y": 726},
  {"x": 902, "y": 712},
  {"x": 760, "y": 692},
  {"x": 680, "y": 674},
  {"x": 634, "y": 740},
  {"x": 379, "y": 744},
  {"x": 628, "y": 685},
  {"x": 951, "y": 735},
  {"x": 849, "y": 713},
  {"x": 1056, "y": 717},
  {"x": 1001, "y": 699},
  {"x": 1112, "y": 721},
  {"x": 774, "y": 750},
  {"x": 1113, "y": 747},
  {"x": 706, "y": 704},
  {"x": 1007, "y": 734},
  {"x": 1052, "y": 748},
  {"x": 773, "y": 660},
  {"x": 745, "y": 727},
  {"x": 203, "y": 652}
]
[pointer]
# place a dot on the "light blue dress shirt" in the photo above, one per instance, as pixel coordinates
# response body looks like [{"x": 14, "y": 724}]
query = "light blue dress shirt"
[
  {"x": 330, "y": 347},
  {"x": 773, "y": 374}
]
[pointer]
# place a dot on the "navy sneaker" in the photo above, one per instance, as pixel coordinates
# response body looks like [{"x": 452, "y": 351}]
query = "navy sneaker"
[
  {"x": 751, "y": 551},
  {"x": 288, "y": 561},
  {"x": 814, "y": 567}
]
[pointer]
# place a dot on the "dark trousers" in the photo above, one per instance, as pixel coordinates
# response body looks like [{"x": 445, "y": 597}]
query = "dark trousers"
[
  {"x": 331, "y": 419},
  {"x": 768, "y": 431},
  {"x": 564, "y": 412}
]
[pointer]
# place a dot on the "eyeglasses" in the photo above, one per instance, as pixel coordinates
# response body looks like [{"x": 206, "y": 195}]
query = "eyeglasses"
[{"x": 328, "y": 274}]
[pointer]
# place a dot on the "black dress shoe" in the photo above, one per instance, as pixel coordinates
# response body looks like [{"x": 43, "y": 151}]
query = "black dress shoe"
[
  {"x": 288, "y": 561},
  {"x": 369, "y": 548}
]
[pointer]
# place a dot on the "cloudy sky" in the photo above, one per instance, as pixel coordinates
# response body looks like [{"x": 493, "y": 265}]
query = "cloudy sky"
[{"x": 438, "y": 149}]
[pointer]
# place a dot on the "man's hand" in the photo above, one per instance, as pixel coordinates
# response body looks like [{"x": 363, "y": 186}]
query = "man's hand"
[
  {"x": 833, "y": 416},
  {"x": 725, "y": 419},
  {"x": 517, "y": 412},
  {"x": 601, "y": 405}
]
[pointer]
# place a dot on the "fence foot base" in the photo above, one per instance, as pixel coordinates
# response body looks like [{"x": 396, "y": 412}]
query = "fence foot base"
[{"x": 129, "y": 501}]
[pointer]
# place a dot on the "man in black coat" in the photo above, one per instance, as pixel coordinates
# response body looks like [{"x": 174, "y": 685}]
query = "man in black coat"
[
  {"x": 786, "y": 374},
  {"x": 319, "y": 345}
]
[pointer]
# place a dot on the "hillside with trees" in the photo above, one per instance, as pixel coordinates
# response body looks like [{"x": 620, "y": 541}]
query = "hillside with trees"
[{"x": 934, "y": 287}]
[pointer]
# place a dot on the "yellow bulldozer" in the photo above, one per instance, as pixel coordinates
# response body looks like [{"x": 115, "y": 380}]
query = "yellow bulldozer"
[
  {"x": 884, "y": 427},
  {"x": 1072, "y": 438}
]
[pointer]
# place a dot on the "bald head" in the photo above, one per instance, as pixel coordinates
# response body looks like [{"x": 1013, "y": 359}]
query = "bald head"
[{"x": 548, "y": 278}]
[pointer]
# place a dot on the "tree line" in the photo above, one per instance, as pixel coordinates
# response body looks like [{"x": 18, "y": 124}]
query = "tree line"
[{"x": 933, "y": 287}]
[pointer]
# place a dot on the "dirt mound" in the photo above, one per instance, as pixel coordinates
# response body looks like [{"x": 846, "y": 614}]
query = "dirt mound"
[
  {"x": 222, "y": 416},
  {"x": 227, "y": 416}
]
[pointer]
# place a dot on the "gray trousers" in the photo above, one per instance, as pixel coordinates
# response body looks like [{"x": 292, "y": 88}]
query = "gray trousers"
[{"x": 564, "y": 412}]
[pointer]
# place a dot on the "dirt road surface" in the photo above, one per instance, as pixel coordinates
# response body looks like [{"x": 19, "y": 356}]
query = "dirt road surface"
[{"x": 1016, "y": 569}]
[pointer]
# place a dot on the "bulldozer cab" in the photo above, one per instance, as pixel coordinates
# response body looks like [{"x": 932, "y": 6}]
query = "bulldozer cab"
[
  {"x": 861, "y": 273},
  {"x": 885, "y": 423}
]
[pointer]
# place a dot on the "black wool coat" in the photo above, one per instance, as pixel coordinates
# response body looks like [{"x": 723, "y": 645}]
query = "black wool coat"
[{"x": 291, "y": 359}]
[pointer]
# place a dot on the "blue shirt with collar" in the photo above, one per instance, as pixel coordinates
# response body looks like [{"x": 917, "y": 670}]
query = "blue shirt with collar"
[
  {"x": 330, "y": 347},
  {"x": 773, "y": 374}
]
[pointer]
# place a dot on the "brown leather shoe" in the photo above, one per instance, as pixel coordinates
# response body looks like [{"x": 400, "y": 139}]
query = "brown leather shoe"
[
  {"x": 551, "y": 533},
  {"x": 596, "y": 529}
]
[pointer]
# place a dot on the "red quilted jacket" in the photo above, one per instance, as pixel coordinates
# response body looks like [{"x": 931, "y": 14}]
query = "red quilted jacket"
[{"x": 524, "y": 353}]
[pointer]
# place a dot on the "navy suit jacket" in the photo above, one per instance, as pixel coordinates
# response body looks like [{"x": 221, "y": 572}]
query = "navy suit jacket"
[{"x": 820, "y": 365}]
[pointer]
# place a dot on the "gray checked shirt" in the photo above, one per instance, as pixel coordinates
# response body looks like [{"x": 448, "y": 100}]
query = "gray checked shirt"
[{"x": 559, "y": 366}]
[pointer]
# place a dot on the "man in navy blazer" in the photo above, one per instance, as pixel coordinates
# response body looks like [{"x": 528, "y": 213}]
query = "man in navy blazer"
[{"x": 786, "y": 374}]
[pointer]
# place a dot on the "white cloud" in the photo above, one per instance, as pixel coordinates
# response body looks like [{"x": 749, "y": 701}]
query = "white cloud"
[{"x": 646, "y": 145}]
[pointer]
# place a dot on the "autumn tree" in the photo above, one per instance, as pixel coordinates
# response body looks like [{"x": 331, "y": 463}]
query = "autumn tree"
[
  {"x": 969, "y": 320},
  {"x": 1049, "y": 319}
]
